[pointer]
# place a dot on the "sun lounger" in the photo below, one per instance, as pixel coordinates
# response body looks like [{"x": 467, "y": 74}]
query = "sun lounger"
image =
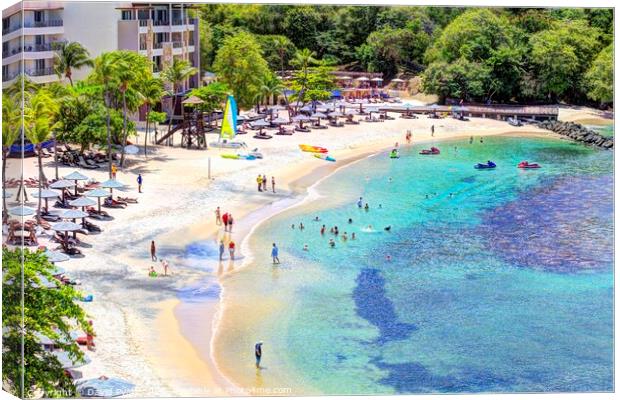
[
  {"x": 82, "y": 163},
  {"x": 91, "y": 227},
  {"x": 111, "y": 203},
  {"x": 262, "y": 136},
  {"x": 298, "y": 129},
  {"x": 132, "y": 200}
]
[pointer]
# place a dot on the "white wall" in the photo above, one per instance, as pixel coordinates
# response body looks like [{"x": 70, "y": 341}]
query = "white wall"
[{"x": 94, "y": 25}]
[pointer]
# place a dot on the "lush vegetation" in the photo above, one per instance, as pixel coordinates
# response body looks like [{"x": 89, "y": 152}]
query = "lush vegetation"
[
  {"x": 477, "y": 54},
  {"x": 52, "y": 312}
]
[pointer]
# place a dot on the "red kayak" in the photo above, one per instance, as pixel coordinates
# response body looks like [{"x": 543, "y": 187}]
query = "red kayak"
[
  {"x": 432, "y": 151},
  {"x": 527, "y": 165}
]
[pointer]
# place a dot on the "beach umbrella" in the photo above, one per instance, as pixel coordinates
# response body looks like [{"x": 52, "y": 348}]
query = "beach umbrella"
[
  {"x": 318, "y": 116},
  {"x": 112, "y": 184},
  {"x": 362, "y": 79},
  {"x": 132, "y": 149},
  {"x": 74, "y": 214},
  {"x": 192, "y": 100},
  {"x": 76, "y": 176},
  {"x": 104, "y": 387},
  {"x": 82, "y": 202},
  {"x": 345, "y": 78},
  {"x": 62, "y": 184},
  {"x": 98, "y": 193},
  {"x": 279, "y": 121},
  {"x": 397, "y": 80},
  {"x": 22, "y": 211},
  {"x": 66, "y": 227},
  {"x": 261, "y": 123},
  {"x": 47, "y": 341},
  {"x": 67, "y": 362},
  {"x": 335, "y": 114},
  {"x": 56, "y": 256},
  {"x": 46, "y": 194},
  {"x": 307, "y": 108},
  {"x": 300, "y": 118},
  {"x": 377, "y": 79}
]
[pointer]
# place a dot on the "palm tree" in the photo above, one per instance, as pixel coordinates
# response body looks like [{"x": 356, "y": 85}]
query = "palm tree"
[
  {"x": 39, "y": 121},
  {"x": 271, "y": 87},
  {"x": 69, "y": 56},
  {"x": 152, "y": 89},
  {"x": 132, "y": 68},
  {"x": 104, "y": 74},
  {"x": 281, "y": 43},
  {"x": 176, "y": 74},
  {"x": 303, "y": 59},
  {"x": 11, "y": 127}
]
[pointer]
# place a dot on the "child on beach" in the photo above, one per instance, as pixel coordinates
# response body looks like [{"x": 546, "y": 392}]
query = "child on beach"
[
  {"x": 114, "y": 169},
  {"x": 221, "y": 249},
  {"x": 152, "y": 273},
  {"x": 218, "y": 218},
  {"x": 165, "y": 266},
  {"x": 139, "y": 183},
  {"x": 274, "y": 254},
  {"x": 231, "y": 249},
  {"x": 259, "y": 181}
]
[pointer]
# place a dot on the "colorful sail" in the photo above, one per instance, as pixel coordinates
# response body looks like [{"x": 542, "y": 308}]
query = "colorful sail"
[{"x": 229, "y": 123}]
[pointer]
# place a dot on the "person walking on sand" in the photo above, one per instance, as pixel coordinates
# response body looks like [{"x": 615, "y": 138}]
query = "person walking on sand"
[
  {"x": 165, "y": 266},
  {"x": 264, "y": 183},
  {"x": 153, "y": 251},
  {"x": 230, "y": 222},
  {"x": 258, "y": 352},
  {"x": 274, "y": 254},
  {"x": 225, "y": 221},
  {"x": 432, "y": 130},
  {"x": 139, "y": 183},
  {"x": 114, "y": 169},
  {"x": 218, "y": 217},
  {"x": 222, "y": 248},
  {"x": 259, "y": 181},
  {"x": 231, "y": 249},
  {"x": 273, "y": 184}
]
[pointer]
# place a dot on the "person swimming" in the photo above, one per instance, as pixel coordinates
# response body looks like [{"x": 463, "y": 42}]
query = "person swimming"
[
  {"x": 380, "y": 206},
  {"x": 306, "y": 247},
  {"x": 366, "y": 207},
  {"x": 336, "y": 230},
  {"x": 292, "y": 226},
  {"x": 316, "y": 218},
  {"x": 353, "y": 236},
  {"x": 350, "y": 221},
  {"x": 323, "y": 230},
  {"x": 332, "y": 244},
  {"x": 301, "y": 226},
  {"x": 344, "y": 237},
  {"x": 359, "y": 203},
  {"x": 390, "y": 179},
  {"x": 388, "y": 258},
  {"x": 388, "y": 228}
]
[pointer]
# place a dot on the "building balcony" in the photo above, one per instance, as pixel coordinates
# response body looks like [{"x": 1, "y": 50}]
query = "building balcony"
[
  {"x": 43, "y": 24},
  {"x": 41, "y": 75},
  {"x": 34, "y": 72},
  {"x": 29, "y": 48}
]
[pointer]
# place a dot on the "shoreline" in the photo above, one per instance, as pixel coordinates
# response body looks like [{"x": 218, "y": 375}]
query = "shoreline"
[{"x": 305, "y": 185}]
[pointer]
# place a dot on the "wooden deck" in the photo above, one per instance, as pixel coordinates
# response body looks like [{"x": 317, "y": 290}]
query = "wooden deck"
[{"x": 538, "y": 113}]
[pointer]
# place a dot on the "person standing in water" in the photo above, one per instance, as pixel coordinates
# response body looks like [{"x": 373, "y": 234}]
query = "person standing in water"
[
  {"x": 258, "y": 352},
  {"x": 259, "y": 181},
  {"x": 274, "y": 254},
  {"x": 230, "y": 222},
  {"x": 359, "y": 203},
  {"x": 471, "y": 139},
  {"x": 264, "y": 183},
  {"x": 153, "y": 251},
  {"x": 222, "y": 248},
  {"x": 231, "y": 249},
  {"x": 323, "y": 230}
]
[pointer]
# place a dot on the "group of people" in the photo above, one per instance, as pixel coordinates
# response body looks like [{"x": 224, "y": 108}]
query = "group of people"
[
  {"x": 261, "y": 181},
  {"x": 226, "y": 219},
  {"x": 165, "y": 266},
  {"x": 231, "y": 249}
]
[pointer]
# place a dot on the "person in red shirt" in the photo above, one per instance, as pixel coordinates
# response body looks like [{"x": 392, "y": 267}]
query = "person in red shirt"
[
  {"x": 231, "y": 249},
  {"x": 225, "y": 221}
]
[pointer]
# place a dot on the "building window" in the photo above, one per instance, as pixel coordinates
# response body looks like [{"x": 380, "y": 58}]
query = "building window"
[
  {"x": 6, "y": 22},
  {"x": 5, "y": 70},
  {"x": 126, "y": 15},
  {"x": 38, "y": 16},
  {"x": 39, "y": 64}
]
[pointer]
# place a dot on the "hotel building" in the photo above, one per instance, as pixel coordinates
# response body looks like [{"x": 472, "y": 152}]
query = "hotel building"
[{"x": 159, "y": 31}]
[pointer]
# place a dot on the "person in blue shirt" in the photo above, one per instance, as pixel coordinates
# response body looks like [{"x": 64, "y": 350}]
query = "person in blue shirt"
[
  {"x": 258, "y": 352},
  {"x": 222, "y": 248},
  {"x": 274, "y": 254},
  {"x": 139, "y": 183}
]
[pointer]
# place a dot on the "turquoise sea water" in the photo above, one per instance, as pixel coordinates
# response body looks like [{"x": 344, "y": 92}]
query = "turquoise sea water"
[
  {"x": 500, "y": 281},
  {"x": 605, "y": 130}
]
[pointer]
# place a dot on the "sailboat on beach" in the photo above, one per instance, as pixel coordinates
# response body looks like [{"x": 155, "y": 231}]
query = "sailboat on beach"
[{"x": 229, "y": 127}]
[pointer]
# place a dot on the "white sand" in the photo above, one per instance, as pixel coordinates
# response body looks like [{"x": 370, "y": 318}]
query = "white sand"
[{"x": 138, "y": 336}]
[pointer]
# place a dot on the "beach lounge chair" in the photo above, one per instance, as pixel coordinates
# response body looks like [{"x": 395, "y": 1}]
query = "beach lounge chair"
[
  {"x": 304, "y": 129},
  {"x": 111, "y": 203},
  {"x": 91, "y": 227},
  {"x": 132, "y": 200},
  {"x": 285, "y": 131},
  {"x": 82, "y": 163},
  {"x": 100, "y": 215},
  {"x": 338, "y": 124},
  {"x": 262, "y": 136}
]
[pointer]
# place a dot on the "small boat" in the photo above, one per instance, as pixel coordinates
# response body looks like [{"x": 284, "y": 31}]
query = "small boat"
[
  {"x": 312, "y": 149},
  {"x": 224, "y": 144},
  {"x": 527, "y": 165},
  {"x": 239, "y": 156},
  {"x": 324, "y": 156},
  {"x": 488, "y": 165},
  {"x": 431, "y": 151}
]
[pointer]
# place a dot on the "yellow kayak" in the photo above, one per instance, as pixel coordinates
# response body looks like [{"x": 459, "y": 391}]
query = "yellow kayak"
[{"x": 312, "y": 149}]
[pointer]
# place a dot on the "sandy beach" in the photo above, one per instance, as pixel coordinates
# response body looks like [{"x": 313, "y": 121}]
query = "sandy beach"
[{"x": 145, "y": 332}]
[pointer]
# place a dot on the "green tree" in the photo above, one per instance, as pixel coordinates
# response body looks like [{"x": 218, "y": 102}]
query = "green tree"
[
  {"x": 277, "y": 51},
  {"x": 11, "y": 128},
  {"x": 69, "y": 56},
  {"x": 39, "y": 121},
  {"x": 460, "y": 79},
  {"x": 315, "y": 84},
  {"x": 271, "y": 87},
  {"x": 104, "y": 74},
  {"x": 303, "y": 60},
  {"x": 600, "y": 76},
  {"x": 152, "y": 90},
  {"x": 561, "y": 55},
  {"x": 240, "y": 64},
  {"x": 213, "y": 95},
  {"x": 302, "y": 24},
  {"x": 175, "y": 74},
  {"x": 52, "y": 312}
]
